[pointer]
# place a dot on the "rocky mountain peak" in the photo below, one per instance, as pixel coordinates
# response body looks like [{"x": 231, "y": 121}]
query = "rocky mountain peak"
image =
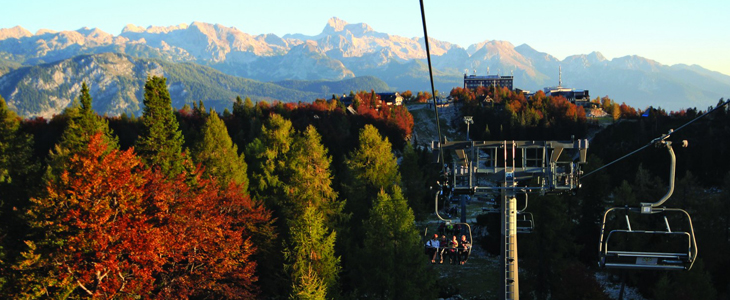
[
  {"x": 165, "y": 29},
  {"x": 335, "y": 24},
  {"x": 338, "y": 26},
  {"x": 491, "y": 46},
  {"x": 45, "y": 31},
  {"x": 14, "y": 33},
  {"x": 85, "y": 30},
  {"x": 636, "y": 62},
  {"x": 596, "y": 56},
  {"x": 132, "y": 28}
]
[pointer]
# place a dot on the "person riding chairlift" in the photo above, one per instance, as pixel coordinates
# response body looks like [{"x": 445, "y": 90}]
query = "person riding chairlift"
[{"x": 432, "y": 246}]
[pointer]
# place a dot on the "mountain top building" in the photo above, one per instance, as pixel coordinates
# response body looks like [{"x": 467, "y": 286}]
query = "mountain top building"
[
  {"x": 474, "y": 81},
  {"x": 578, "y": 97}
]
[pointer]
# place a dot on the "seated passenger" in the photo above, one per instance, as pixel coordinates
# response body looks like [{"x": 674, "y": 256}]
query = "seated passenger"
[
  {"x": 464, "y": 247},
  {"x": 432, "y": 246},
  {"x": 444, "y": 242},
  {"x": 453, "y": 250}
]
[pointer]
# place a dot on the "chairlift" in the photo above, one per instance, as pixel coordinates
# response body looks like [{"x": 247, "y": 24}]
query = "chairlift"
[
  {"x": 525, "y": 222},
  {"x": 674, "y": 247},
  {"x": 466, "y": 226}
]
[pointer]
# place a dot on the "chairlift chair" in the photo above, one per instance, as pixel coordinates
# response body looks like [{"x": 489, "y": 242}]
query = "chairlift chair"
[
  {"x": 447, "y": 222},
  {"x": 677, "y": 249},
  {"x": 525, "y": 222}
]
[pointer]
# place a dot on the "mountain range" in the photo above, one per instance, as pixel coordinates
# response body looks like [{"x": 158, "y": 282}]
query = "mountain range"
[{"x": 342, "y": 51}]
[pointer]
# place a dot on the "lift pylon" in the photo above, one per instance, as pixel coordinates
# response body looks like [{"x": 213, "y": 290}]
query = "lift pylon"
[{"x": 513, "y": 167}]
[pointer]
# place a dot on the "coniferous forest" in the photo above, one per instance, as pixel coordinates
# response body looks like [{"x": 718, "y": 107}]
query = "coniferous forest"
[{"x": 306, "y": 201}]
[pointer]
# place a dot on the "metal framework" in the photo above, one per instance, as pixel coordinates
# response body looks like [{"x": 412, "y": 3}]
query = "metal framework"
[
  {"x": 514, "y": 167},
  {"x": 677, "y": 249}
]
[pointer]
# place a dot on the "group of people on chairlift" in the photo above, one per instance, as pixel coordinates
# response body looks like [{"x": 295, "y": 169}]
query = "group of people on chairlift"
[{"x": 453, "y": 250}]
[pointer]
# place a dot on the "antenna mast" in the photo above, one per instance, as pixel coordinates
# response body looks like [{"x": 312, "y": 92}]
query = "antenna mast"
[{"x": 560, "y": 76}]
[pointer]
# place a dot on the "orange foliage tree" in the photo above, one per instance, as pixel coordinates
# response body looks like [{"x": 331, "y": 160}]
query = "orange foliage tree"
[
  {"x": 110, "y": 228},
  {"x": 94, "y": 236}
]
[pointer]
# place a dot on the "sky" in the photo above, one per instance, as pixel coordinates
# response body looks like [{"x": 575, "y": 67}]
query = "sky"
[{"x": 668, "y": 31}]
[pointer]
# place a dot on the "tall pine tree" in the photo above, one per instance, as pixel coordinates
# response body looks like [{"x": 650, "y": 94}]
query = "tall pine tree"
[
  {"x": 83, "y": 123},
  {"x": 371, "y": 168},
  {"x": 217, "y": 153},
  {"x": 414, "y": 181},
  {"x": 309, "y": 177},
  {"x": 19, "y": 177},
  {"x": 392, "y": 264},
  {"x": 267, "y": 155},
  {"x": 311, "y": 209},
  {"x": 160, "y": 143},
  {"x": 373, "y": 162},
  {"x": 309, "y": 255}
]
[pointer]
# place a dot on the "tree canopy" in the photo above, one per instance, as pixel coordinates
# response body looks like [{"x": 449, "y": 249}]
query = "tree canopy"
[{"x": 160, "y": 143}]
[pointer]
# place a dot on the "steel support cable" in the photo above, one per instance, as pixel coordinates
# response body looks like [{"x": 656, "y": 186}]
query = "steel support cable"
[
  {"x": 433, "y": 89},
  {"x": 663, "y": 137}
]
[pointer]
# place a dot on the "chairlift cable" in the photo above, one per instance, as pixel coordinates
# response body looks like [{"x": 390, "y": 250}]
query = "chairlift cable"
[
  {"x": 659, "y": 138},
  {"x": 433, "y": 90}
]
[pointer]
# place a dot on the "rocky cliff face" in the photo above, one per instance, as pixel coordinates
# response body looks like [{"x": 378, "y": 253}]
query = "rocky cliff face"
[{"x": 46, "y": 90}]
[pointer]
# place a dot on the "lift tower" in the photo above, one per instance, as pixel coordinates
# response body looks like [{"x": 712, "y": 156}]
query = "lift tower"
[{"x": 513, "y": 167}]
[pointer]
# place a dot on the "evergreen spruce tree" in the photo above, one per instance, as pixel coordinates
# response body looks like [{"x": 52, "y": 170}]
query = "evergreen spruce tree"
[
  {"x": 19, "y": 178},
  {"x": 309, "y": 177},
  {"x": 267, "y": 156},
  {"x": 371, "y": 168},
  {"x": 392, "y": 265},
  {"x": 160, "y": 143},
  {"x": 414, "y": 181},
  {"x": 15, "y": 149},
  {"x": 373, "y": 163},
  {"x": 83, "y": 123},
  {"x": 218, "y": 155}
]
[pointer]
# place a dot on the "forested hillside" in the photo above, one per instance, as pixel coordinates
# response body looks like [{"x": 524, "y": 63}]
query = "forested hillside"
[
  {"x": 189, "y": 203},
  {"x": 304, "y": 200}
]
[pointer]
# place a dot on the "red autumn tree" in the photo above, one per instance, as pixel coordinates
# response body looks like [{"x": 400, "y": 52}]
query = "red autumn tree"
[
  {"x": 208, "y": 243},
  {"x": 94, "y": 236},
  {"x": 402, "y": 119},
  {"x": 109, "y": 228}
]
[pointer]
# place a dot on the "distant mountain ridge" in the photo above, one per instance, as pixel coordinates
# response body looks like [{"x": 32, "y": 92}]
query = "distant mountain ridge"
[
  {"x": 116, "y": 83},
  {"x": 344, "y": 50}
]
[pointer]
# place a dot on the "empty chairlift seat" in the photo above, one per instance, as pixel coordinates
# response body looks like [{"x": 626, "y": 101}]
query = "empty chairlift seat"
[
  {"x": 657, "y": 239},
  {"x": 525, "y": 222}
]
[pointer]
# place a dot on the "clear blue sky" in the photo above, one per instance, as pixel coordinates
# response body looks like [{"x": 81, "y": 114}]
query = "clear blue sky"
[{"x": 668, "y": 31}]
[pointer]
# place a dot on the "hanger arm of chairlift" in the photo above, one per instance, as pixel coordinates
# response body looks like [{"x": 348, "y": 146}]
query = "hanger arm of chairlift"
[{"x": 649, "y": 207}]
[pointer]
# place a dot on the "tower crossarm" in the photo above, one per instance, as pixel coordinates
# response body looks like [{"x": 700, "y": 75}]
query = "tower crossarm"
[{"x": 536, "y": 166}]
